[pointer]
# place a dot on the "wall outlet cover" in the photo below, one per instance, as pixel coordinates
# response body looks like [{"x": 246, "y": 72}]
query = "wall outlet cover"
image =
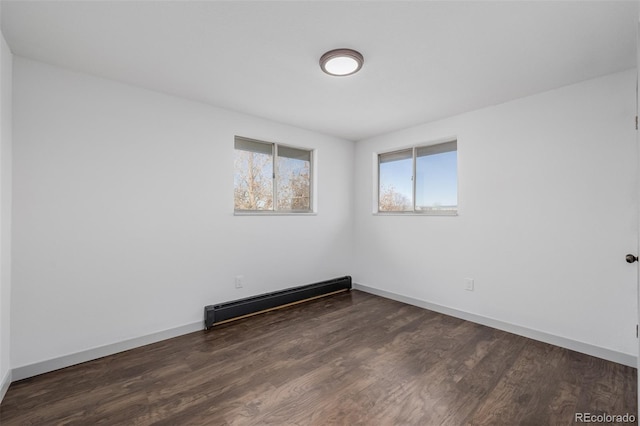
[{"x": 468, "y": 284}]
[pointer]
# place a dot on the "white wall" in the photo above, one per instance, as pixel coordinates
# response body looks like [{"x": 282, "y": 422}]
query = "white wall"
[
  {"x": 123, "y": 219},
  {"x": 5, "y": 214},
  {"x": 548, "y": 203},
  {"x": 123, "y": 213}
]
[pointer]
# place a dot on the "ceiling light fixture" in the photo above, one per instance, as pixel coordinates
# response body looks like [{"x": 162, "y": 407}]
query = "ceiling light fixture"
[{"x": 341, "y": 62}]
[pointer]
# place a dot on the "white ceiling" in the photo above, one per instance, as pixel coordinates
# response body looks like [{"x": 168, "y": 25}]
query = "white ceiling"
[{"x": 424, "y": 60}]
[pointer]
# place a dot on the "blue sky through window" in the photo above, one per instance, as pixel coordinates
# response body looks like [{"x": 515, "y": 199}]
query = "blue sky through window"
[
  {"x": 397, "y": 175},
  {"x": 436, "y": 179}
]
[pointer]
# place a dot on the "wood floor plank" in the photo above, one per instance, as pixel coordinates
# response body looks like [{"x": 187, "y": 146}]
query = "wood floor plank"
[
  {"x": 352, "y": 358},
  {"x": 523, "y": 392}
]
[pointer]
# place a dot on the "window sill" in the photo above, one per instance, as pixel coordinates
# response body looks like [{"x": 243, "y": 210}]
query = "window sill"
[
  {"x": 443, "y": 213},
  {"x": 272, "y": 213}
]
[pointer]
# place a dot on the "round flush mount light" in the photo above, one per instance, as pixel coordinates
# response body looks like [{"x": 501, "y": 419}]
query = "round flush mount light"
[{"x": 341, "y": 62}]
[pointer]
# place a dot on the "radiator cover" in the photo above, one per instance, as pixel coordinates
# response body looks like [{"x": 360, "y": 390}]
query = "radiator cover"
[{"x": 224, "y": 312}]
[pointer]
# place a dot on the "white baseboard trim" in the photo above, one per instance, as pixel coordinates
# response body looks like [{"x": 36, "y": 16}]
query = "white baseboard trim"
[
  {"x": 4, "y": 384},
  {"x": 42, "y": 367},
  {"x": 574, "y": 345}
]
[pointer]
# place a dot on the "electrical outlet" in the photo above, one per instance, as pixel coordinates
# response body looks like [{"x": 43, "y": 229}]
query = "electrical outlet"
[
  {"x": 239, "y": 281},
  {"x": 468, "y": 284}
]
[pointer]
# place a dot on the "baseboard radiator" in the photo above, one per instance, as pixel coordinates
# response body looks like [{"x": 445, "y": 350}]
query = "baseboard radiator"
[{"x": 229, "y": 311}]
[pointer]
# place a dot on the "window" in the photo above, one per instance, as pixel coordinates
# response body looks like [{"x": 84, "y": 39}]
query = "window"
[
  {"x": 421, "y": 179},
  {"x": 271, "y": 177}
]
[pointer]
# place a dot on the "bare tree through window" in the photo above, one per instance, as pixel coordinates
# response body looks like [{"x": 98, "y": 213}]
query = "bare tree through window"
[
  {"x": 253, "y": 181},
  {"x": 262, "y": 184}
]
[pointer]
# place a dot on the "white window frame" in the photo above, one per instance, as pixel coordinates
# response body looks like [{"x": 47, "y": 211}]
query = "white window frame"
[
  {"x": 414, "y": 211},
  {"x": 274, "y": 153}
]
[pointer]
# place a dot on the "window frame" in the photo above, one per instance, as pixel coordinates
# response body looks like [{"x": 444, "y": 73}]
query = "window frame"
[
  {"x": 274, "y": 181},
  {"x": 415, "y": 212}
]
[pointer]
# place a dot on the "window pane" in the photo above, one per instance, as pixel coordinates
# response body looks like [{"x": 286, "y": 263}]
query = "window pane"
[
  {"x": 268, "y": 176},
  {"x": 437, "y": 181},
  {"x": 294, "y": 179},
  {"x": 253, "y": 175},
  {"x": 395, "y": 192}
]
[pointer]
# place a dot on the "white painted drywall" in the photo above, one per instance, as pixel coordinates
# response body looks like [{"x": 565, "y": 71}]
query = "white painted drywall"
[
  {"x": 548, "y": 208},
  {"x": 123, "y": 213},
  {"x": 5, "y": 213},
  {"x": 123, "y": 219}
]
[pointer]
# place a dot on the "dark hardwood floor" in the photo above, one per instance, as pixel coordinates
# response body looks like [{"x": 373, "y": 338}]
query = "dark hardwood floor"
[{"x": 348, "y": 359}]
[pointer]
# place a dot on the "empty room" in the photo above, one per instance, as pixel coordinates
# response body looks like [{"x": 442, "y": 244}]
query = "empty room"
[{"x": 319, "y": 212}]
